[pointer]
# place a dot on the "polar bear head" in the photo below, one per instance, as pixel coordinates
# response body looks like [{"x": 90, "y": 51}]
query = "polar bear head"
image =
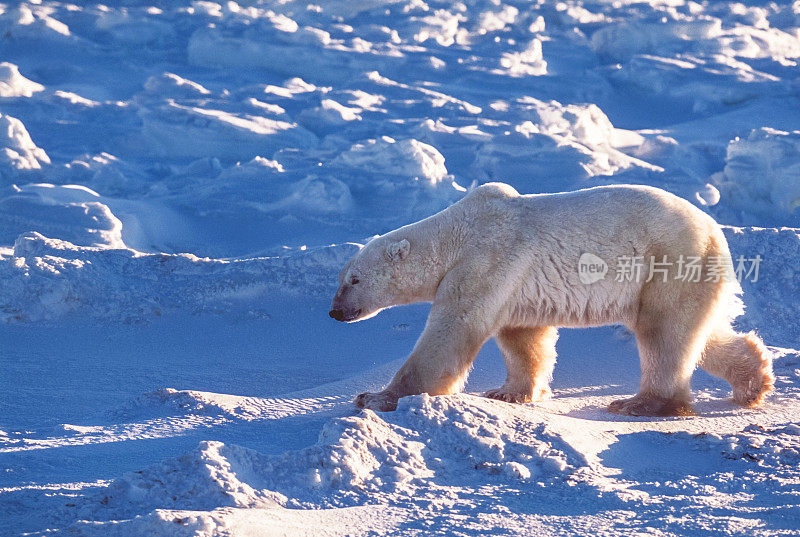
[{"x": 377, "y": 277}]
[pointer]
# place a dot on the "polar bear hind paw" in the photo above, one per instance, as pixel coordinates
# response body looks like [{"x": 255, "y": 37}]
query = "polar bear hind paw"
[
  {"x": 518, "y": 396},
  {"x": 380, "y": 402},
  {"x": 648, "y": 405}
]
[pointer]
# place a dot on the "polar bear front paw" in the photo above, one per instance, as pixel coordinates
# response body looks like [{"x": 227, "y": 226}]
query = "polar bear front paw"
[
  {"x": 648, "y": 405},
  {"x": 382, "y": 401}
]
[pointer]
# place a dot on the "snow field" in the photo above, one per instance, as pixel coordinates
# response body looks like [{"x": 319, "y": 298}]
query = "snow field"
[{"x": 181, "y": 182}]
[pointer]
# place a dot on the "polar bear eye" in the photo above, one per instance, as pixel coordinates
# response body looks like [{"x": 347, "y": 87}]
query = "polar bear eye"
[{"x": 353, "y": 280}]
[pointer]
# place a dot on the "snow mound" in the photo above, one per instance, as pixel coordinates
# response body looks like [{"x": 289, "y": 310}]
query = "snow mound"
[
  {"x": 260, "y": 38},
  {"x": 17, "y": 150},
  {"x": 686, "y": 459},
  {"x": 348, "y": 9},
  {"x": 586, "y": 123},
  {"x": 704, "y": 35},
  {"x": 159, "y": 523},
  {"x": 528, "y": 62},
  {"x": 761, "y": 179},
  {"x": 775, "y": 448},
  {"x": 172, "y": 402},
  {"x": 702, "y": 83},
  {"x": 750, "y": 42},
  {"x": 193, "y": 132},
  {"x": 46, "y": 278},
  {"x": 213, "y": 475},
  {"x": 622, "y": 41},
  {"x": 328, "y": 117},
  {"x": 172, "y": 86},
  {"x": 768, "y": 311},
  {"x": 495, "y": 20},
  {"x": 70, "y": 212},
  {"x": 410, "y": 158},
  {"x": 102, "y": 172},
  {"x": 702, "y": 57},
  {"x": 441, "y": 26},
  {"x": 459, "y": 440},
  {"x": 13, "y": 84},
  {"x": 136, "y": 27},
  {"x": 267, "y": 522},
  {"x": 169, "y": 401},
  {"x": 32, "y": 22},
  {"x": 316, "y": 195},
  {"x": 557, "y": 147},
  {"x": 262, "y": 185}
]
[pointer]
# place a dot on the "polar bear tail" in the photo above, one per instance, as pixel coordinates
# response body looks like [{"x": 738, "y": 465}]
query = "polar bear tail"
[{"x": 741, "y": 359}]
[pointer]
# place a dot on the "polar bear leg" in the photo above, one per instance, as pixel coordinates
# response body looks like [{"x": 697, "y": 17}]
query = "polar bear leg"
[
  {"x": 671, "y": 329},
  {"x": 530, "y": 356},
  {"x": 667, "y": 356},
  {"x": 438, "y": 365}
]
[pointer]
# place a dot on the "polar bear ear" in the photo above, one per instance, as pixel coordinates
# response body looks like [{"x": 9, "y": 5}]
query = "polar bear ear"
[{"x": 397, "y": 251}]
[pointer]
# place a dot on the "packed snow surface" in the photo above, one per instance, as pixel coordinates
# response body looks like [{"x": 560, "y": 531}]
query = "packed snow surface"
[{"x": 180, "y": 183}]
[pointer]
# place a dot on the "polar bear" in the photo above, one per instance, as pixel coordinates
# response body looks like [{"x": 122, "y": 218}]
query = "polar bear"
[{"x": 504, "y": 265}]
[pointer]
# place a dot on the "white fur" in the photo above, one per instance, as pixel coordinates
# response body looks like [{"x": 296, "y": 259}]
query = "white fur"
[{"x": 498, "y": 264}]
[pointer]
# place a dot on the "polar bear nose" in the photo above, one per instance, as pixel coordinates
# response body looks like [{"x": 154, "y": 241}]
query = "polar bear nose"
[{"x": 337, "y": 314}]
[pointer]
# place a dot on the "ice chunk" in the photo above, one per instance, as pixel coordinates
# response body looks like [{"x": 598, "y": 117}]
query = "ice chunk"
[{"x": 260, "y": 184}]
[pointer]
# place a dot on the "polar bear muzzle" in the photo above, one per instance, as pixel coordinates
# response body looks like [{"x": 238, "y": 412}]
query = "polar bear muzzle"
[{"x": 340, "y": 315}]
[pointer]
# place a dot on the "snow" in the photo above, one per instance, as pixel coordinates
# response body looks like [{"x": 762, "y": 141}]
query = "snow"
[
  {"x": 18, "y": 151},
  {"x": 405, "y": 158},
  {"x": 70, "y": 211},
  {"x": 13, "y": 84},
  {"x": 192, "y": 132},
  {"x": 181, "y": 182},
  {"x": 772, "y": 156}
]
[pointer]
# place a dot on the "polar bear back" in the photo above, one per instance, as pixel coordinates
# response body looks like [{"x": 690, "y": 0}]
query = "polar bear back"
[{"x": 531, "y": 245}]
